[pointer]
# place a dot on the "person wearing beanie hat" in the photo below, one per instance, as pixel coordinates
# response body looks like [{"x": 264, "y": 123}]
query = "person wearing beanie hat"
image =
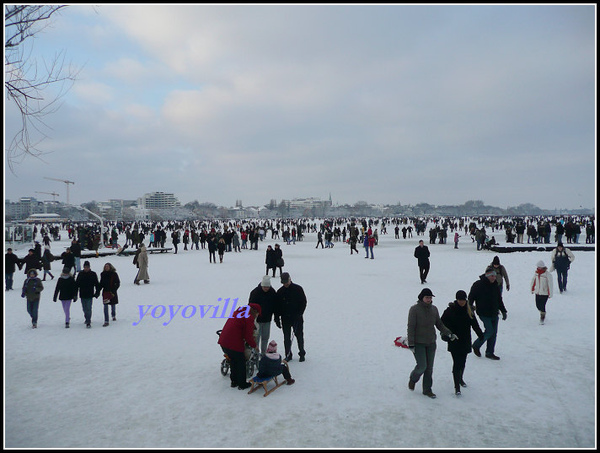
[
  {"x": 541, "y": 286},
  {"x": 561, "y": 259},
  {"x": 459, "y": 318},
  {"x": 88, "y": 287},
  {"x": 32, "y": 288},
  {"x": 289, "y": 311},
  {"x": 66, "y": 291},
  {"x": 486, "y": 297},
  {"x": 423, "y": 319},
  {"x": 237, "y": 332},
  {"x": 265, "y": 296},
  {"x": 501, "y": 274},
  {"x": 270, "y": 365}
]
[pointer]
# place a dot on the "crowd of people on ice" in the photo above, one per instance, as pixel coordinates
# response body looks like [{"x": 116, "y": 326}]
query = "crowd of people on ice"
[{"x": 286, "y": 306}]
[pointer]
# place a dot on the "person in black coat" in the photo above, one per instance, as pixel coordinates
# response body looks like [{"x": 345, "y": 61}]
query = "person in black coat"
[
  {"x": 66, "y": 291},
  {"x": 459, "y": 318},
  {"x": 76, "y": 251},
  {"x": 265, "y": 296},
  {"x": 422, "y": 255},
  {"x": 486, "y": 297},
  {"x": 68, "y": 259},
  {"x": 109, "y": 283},
  {"x": 88, "y": 287},
  {"x": 31, "y": 261},
  {"x": 11, "y": 262},
  {"x": 278, "y": 259},
  {"x": 291, "y": 304},
  {"x": 271, "y": 365},
  {"x": 47, "y": 259},
  {"x": 271, "y": 260}
]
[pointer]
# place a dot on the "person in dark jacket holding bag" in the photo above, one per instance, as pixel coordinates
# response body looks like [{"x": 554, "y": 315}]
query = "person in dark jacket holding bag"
[
  {"x": 66, "y": 291},
  {"x": 237, "y": 332},
  {"x": 88, "y": 287},
  {"x": 109, "y": 283},
  {"x": 291, "y": 304},
  {"x": 485, "y": 295},
  {"x": 459, "y": 318},
  {"x": 265, "y": 296}
]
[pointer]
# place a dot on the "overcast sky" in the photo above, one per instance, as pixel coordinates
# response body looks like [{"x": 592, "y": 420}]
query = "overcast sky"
[{"x": 378, "y": 103}]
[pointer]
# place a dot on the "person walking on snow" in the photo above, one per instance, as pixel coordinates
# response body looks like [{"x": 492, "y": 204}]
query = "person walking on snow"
[
  {"x": 66, "y": 291},
  {"x": 486, "y": 297},
  {"x": 459, "y": 318},
  {"x": 423, "y": 319},
  {"x": 32, "y": 288},
  {"x": 541, "y": 286},
  {"x": 561, "y": 258},
  {"x": 141, "y": 261}
]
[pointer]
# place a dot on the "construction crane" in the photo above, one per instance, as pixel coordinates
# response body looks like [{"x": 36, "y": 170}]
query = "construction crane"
[
  {"x": 54, "y": 195},
  {"x": 67, "y": 183}
]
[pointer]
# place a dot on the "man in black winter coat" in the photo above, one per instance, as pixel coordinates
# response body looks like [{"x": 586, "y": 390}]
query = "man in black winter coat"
[
  {"x": 88, "y": 286},
  {"x": 291, "y": 303},
  {"x": 422, "y": 256},
  {"x": 265, "y": 296},
  {"x": 11, "y": 262},
  {"x": 31, "y": 261},
  {"x": 486, "y": 297}
]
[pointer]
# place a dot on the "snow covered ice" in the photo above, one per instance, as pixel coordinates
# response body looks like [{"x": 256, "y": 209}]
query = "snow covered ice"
[{"x": 155, "y": 385}]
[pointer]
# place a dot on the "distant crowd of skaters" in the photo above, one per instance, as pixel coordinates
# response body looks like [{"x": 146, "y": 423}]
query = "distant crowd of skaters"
[{"x": 227, "y": 236}]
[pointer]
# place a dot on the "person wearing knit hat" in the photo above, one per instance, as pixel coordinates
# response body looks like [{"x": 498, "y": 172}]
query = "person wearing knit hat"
[
  {"x": 541, "y": 286},
  {"x": 32, "y": 288},
  {"x": 265, "y": 296},
  {"x": 423, "y": 319},
  {"x": 486, "y": 297},
  {"x": 501, "y": 274},
  {"x": 561, "y": 259},
  {"x": 459, "y": 318},
  {"x": 270, "y": 365}
]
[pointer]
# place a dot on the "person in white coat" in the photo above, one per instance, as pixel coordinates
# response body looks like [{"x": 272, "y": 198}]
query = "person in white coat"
[{"x": 541, "y": 286}]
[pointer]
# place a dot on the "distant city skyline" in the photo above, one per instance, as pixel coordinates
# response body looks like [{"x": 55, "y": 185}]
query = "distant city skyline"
[{"x": 388, "y": 104}]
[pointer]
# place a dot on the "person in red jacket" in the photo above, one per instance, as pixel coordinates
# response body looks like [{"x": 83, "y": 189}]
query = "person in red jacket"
[{"x": 239, "y": 330}]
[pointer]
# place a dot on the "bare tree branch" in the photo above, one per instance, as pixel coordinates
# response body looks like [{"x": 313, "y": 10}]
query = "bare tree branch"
[{"x": 26, "y": 85}]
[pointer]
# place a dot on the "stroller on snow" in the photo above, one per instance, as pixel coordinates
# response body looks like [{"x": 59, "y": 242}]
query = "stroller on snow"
[{"x": 252, "y": 359}]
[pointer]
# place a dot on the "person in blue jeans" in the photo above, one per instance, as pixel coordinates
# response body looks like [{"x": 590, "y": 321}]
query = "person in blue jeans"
[
  {"x": 561, "y": 262},
  {"x": 486, "y": 298}
]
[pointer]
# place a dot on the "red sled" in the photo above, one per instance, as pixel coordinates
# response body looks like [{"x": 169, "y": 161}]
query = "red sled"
[{"x": 401, "y": 342}]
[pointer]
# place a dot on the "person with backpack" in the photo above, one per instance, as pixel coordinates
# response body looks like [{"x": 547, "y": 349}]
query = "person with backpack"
[{"x": 561, "y": 258}]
